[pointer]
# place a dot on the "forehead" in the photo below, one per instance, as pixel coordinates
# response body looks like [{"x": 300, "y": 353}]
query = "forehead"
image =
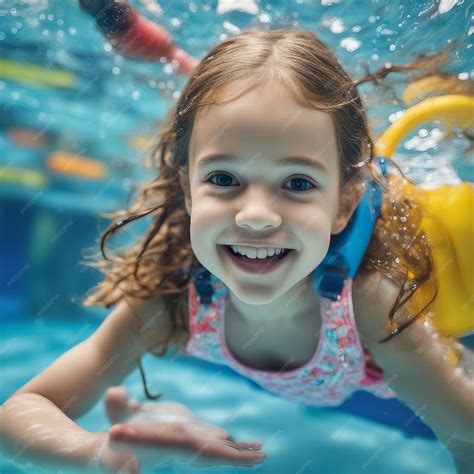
[{"x": 266, "y": 121}]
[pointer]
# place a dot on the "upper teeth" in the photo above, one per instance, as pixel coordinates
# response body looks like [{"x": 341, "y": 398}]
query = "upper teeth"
[{"x": 252, "y": 252}]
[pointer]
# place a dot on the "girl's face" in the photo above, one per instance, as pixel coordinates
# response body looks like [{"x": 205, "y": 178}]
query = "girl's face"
[{"x": 253, "y": 194}]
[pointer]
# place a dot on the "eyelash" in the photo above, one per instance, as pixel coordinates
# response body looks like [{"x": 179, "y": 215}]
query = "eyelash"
[{"x": 212, "y": 175}]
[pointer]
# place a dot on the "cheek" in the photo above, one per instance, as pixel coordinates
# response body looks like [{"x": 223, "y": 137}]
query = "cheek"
[
  {"x": 203, "y": 223},
  {"x": 205, "y": 212},
  {"x": 195, "y": 230},
  {"x": 312, "y": 223}
]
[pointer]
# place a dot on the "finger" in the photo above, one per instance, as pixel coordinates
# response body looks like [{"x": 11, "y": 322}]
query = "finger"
[
  {"x": 205, "y": 461},
  {"x": 147, "y": 433},
  {"x": 255, "y": 445},
  {"x": 120, "y": 431},
  {"x": 126, "y": 435},
  {"x": 227, "y": 452}
]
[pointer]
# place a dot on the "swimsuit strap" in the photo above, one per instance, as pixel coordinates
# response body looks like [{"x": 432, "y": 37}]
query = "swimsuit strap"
[{"x": 204, "y": 285}]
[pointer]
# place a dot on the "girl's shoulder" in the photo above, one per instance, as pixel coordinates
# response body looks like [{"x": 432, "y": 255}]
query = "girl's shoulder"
[
  {"x": 153, "y": 321},
  {"x": 373, "y": 295},
  {"x": 156, "y": 321}
]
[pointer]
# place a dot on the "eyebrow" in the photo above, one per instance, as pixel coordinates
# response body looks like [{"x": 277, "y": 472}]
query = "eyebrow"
[{"x": 289, "y": 160}]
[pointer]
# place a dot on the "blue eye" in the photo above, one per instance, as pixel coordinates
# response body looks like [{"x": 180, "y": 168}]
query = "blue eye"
[
  {"x": 303, "y": 180},
  {"x": 300, "y": 180},
  {"x": 217, "y": 174}
]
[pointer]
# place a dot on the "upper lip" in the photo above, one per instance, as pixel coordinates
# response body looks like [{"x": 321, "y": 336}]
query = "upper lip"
[{"x": 260, "y": 245}]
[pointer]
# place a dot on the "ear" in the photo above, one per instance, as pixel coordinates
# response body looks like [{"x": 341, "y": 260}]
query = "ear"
[
  {"x": 351, "y": 198},
  {"x": 184, "y": 181}
]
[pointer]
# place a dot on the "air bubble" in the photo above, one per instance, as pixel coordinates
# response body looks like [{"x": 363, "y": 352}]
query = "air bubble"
[{"x": 458, "y": 372}]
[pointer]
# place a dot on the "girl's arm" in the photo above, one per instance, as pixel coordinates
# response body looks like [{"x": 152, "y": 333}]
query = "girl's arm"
[
  {"x": 415, "y": 364},
  {"x": 36, "y": 421}
]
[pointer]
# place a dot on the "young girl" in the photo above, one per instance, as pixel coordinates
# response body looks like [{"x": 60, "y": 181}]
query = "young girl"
[{"x": 272, "y": 250}]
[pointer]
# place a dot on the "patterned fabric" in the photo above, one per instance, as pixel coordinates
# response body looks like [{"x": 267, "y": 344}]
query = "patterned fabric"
[{"x": 339, "y": 366}]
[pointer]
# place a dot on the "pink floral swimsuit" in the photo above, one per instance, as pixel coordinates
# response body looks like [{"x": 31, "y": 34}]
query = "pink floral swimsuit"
[{"x": 339, "y": 366}]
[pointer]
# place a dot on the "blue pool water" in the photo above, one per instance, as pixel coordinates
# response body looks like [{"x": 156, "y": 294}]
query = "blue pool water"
[{"x": 111, "y": 105}]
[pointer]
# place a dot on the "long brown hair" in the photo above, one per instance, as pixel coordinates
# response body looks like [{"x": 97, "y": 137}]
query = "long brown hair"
[{"x": 163, "y": 263}]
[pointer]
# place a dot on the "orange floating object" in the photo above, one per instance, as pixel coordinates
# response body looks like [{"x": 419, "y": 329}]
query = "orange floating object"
[
  {"x": 69, "y": 163},
  {"x": 140, "y": 142},
  {"x": 27, "y": 137}
]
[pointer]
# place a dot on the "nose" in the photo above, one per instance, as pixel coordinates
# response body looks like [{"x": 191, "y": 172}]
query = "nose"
[{"x": 257, "y": 211}]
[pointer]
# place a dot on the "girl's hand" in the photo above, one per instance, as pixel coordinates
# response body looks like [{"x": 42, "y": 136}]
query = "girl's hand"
[
  {"x": 168, "y": 432},
  {"x": 189, "y": 442}
]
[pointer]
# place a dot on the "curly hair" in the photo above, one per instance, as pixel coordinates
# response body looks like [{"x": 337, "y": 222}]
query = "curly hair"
[{"x": 162, "y": 261}]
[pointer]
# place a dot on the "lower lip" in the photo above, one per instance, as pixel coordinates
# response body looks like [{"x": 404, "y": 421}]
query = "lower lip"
[{"x": 256, "y": 265}]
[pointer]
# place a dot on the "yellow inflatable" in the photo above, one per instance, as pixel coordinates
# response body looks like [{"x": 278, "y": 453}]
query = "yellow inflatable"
[
  {"x": 437, "y": 83},
  {"x": 448, "y": 222}
]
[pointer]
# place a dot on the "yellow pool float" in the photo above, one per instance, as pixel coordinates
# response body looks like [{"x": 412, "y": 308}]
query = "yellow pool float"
[
  {"x": 437, "y": 83},
  {"x": 448, "y": 222}
]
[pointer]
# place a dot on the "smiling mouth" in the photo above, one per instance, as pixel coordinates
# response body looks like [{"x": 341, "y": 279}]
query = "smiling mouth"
[
  {"x": 273, "y": 258},
  {"x": 257, "y": 266}
]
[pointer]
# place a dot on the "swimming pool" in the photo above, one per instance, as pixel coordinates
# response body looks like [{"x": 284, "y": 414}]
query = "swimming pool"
[{"x": 105, "y": 109}]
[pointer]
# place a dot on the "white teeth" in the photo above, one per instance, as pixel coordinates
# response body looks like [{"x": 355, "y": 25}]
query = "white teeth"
[{"x": 252, "y": 252}]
